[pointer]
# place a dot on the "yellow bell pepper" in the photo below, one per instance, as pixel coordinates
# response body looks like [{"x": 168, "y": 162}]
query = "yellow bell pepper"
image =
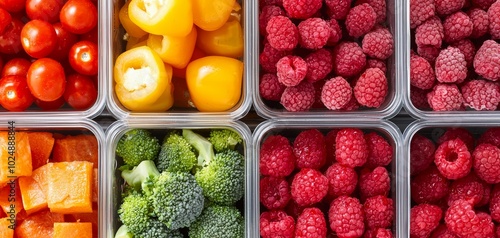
[
  {"x": 133, "y": 42},
  {"x": 209, "y": 15},
  {"x": 141, "y": 79},
  {"x": 173, "y": 50},
  {"x": 131, "y": 28},
  {"x": 215, "y": 83},
  {"x": 162, "y": 17},
  {"x": 236, "y": 13},
  {"x": 225, "y": 41},
  {"x": 181, "y": 72}
]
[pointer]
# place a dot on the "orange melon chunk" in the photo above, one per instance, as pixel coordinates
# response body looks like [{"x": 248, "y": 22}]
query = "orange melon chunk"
[
  {"x": 10, "y": 199},
  {"x": 76, "y": 148},
  {"x": 39, "y": 225},
  {"x": 34, "y": 198},
  {"x": 6, "y": 228},
  {"x": 86, "y": 217},
  {"x": 72, "y": 229},
  {"x": 41, "y": 144},
  {"x": 95, "y": 186},
  {"x": 40, "y": 175},
  {"x": 22, "y": 165}
]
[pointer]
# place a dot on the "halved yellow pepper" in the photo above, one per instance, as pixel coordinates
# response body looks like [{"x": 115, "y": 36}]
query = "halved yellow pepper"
[
  {"x": 162, "y": 17},
  {"x": 235, "y": 13},
  {"x": 131, "y": 28},
  {"x": 164, "y": 102},
  {"x": 209, "y": 15},
  {"x": 215, "y": 83},
  {"x": 225, "y": 41},
  {"x": 173, "y": 50}
]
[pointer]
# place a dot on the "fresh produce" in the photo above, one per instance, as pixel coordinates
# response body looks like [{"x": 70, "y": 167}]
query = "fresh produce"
[
  {"x": 137, "y": 145},
  {"x": 218, "y": 221}
]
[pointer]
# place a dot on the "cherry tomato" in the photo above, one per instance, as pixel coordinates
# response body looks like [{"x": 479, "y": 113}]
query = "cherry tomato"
[
  {"x": 65, "y": 40},
  {"x": 38, "y": 38},
  {"x": 46, "y": 79},
  {"x": 45, "y": 10},
  {"x": 83, "y": 57},
  {"x": 12, "y": 5},
  {"x": 90, "y": 36},
  {"x": 14, "y": 93},
  {"x": 16, "y": 66},
  {"x": 5, "y": 19},
  {"x": 78, "y": 16},
  {"x": 10, "y": 40},
  {"x": 50, "y": 106},
  {"x": 80, "y": 92}
]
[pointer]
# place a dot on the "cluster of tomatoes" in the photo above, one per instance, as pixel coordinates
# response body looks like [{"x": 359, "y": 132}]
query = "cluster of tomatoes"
[{"x": 48, "y": 54}]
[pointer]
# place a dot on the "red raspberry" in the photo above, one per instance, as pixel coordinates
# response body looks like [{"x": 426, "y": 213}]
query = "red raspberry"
[
  {"x": 376, "y": 63},
  {"x": 330, "y": 138},
  {"x": 378, "y": 43},
  {"x": 338, "y": 9},
  {"x": 336, "y": 93},
  {"x": 348, "y": 59},
  {"x": 467, "y": 48},
  {"x": 460, "y": 133},
  {"x": 420, "y": 11},
  {"x": 298, "y": 98},
  {"x": 421, "y": 154},
  {"x": 379, "y": 212},
  {"x": 274, "y": 192},
  {"x": 360, "y": 20},
  {"x": 424, "y": 218},
  {"x": 380, "y": 151},
  {"x": 418, "y": 98},
  {"x": 429, "y": 186},
  {"x": 457, "y": 26},
  {"x": 483, "y": 4},
  {"x": 342, "y": 180},
  {"x": 430, "y": 53},
  {"x": 379, "y": 6},
  {"x": 488, "y": 227},
  {"x": 495, "y": 203},
  {"x": 335, "y": 32},
  {"x": 346, "y": 217},
  {"x": 446, "y": 7},
  {"x": 301, "y": 9},
  {"x": 450, "y": 65},
  {"x": 421, "y": 73},
  {"x": 378, "y": 233},
  {"x": 481, "y": 95},
  {"x": 466, "y": 189},
  {"x": 311, "y": 223},
  {"x": 375, "y": 182},
  {"x": 270, "y": 88},
  {"x": 282, "y": 34},
  {"x": 486, "y": 162},
  {"x": 266, "y": 13},
  {"x": 276, "y": 224},
  {"x": 480, "y": 21},
  {"x": 352, "y": 105},
  {"x": 493, "y": 15},
  {"x": 310, "y": 149},
  {"x": 442, "y": 232},
  {"x": 309, "y": 186},
  {"x": 487, "y": 60},
  {"x": 313, "y": 33},
  {"x": 461, "y": 219},
  {"x": 429, "y": 33},
  {"x": 319, "y": 65},
  {"x": 371, "y": 88},
  {"x": 270, "y": 56},
  {"x": 490, "y": 136},
  {"x": 445, "y": 97},
  {"x": 291, "y": 70},
  {"x": 276, "y": 157},
  {"x": 453, "y": 159},
  {"x": 351, "y": 148}
]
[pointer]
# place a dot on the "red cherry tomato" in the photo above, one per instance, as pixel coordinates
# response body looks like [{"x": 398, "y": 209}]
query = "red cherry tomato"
[
  {"x": 80, "y": 92},
  {"x": 38, "y": 38},
  {"x": 45, "y": 10},
  {"x": 12, "y": 5},
  {"x": 65, "y": 40},
  {"x": 5, "y": 19},
  {"x": 14, "y": 93},
  {"x": 83, "y": 57},
  {"x": 90, "y": 36},
  {"x": 78, "y": 16},
  {"x": 10, "y": 40},
  {"x": 16, "y": 66},
  {"x": 50, "y": 106},
  {"x": 46, "y": 79}
]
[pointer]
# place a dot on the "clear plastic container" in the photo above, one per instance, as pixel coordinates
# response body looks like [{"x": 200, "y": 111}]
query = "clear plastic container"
[
  {"x": 395, "y": 73},
  {"x": 114, "y": 180},
  {"x": 291, "y": 129},
  {"x": 116, "y": 45}
]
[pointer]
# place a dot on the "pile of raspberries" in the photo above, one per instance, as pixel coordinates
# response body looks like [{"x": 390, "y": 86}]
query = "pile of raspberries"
[
  {"x": 455, "y": 185},
  {"x": 455, "y": 56},
  {"x": 334, "y": 183},
  {"x": 324, "y": 53}
]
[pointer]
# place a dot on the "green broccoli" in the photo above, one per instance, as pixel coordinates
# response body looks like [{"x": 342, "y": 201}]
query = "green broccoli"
[
  {"x": 123, "y": 232},
  {"x": 135, "y": 212},
  {"x": 224, "y": 139},
  {"x": 201, "y": 145},
  {"x": 137, "y": 145},
  {"x": 176, "y": 154},
  {"x": 142, "y": 175},
  {"x": 158, "y": 229},
  {"x": 218, "y": 221}
]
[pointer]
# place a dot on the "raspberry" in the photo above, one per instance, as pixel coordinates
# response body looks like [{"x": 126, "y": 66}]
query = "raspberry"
[
  {"x": 298, "y": 98},
  {"x": 352, "y": 105},
  {"x": 430, "y": 33},
  {"x": 270, "y": 88},
  {"x": 301, "y": 9},
  {"x": 371, "y": 88},
  {"x": 486, "y": 162},
  {"x": 446, "y": 7},
  {"x": 380, "y": 152},
  {"x": 342, "y": 180},
  {"x": 378, "y": 43},
  {"x": 424, "y": 218},
  {"x": 487, "y": 60},
  {"x": 270, "y": 56},
  {"x": 442, "y": 232},
  {"x": 481, "y": 95},
  {"x": 351, "y": 148},
  {"x": 467, "y": 48},
  {"x": 276, "y": 224},
  {"x": 348, "y": 59},
  {"x": 338, "y": 9},
  {"x": 488, "y": 227},
  {"x": 466, "y": 189},
  {"x": 313, "y": 33},
  {"x": 310, "y": 149},
  {"x": 376, "y": 63},
  {"x": 430, "y": 53},
  {"x": 309, "y": 186},
  {"x": 421, "y": 154},
  {"x": 421, "y": 73},
  {"x": 276, "y": 157},
  {"x": 319, "y": 65},
  {"x": 291, "y": 70},
  {"x": 453, "y": 159},
  {"x": 335, "y": 32},
  {"x": 379, "y": 6},
  {"x": 490, "y": 136},
  {"x": 378, "y": 233},
  {"x": 480, "y": 21},
  {"x": 420, "y": 11},
  {"x": 460, "y": 133},
  {"x": 360, "y": 20},
  {"x": 346, "y": 217},
  {"x": 282, "y": 34},
  {"x": 418, "y": 98},
  {"x": 483, "y": 4},
  {"x": 330, "y": 138},
  {"x": 379, "y": 212},
  {"x": 266, "y": 13},
  {"x": 493, "y": 15},
  {"x": 429, "y": 186},
  {"x": 445, "y": 97},
  {"x": 457, "y": 26},
  {"x": 375, "y": 182},
  {"x": 274, "y": 192},
  {"x": 311, "y": 223},
  {"x": 450, "y": 65},
  {"x": 495, "y": 203},
  {"x": 336, "y": 93},
  {"x": 461, "y": 219}
]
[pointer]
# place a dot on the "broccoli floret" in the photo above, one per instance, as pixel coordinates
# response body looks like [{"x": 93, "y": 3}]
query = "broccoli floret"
[
  {"x": 218, "y": 221},
  {"x": 123, "y": 232},
  {"x": 137, "y": 145},
  {"x": 135, "y": 213},
  {"x": 176, "y": 154},
  {"x": 224, "y": 139},
  {"x": 223, "y": 178},
  {"x": 201, "y": 145},
  {"x": 142, "y": 175},
  {"x": 158, "y": 229},
  {"x": 177, "y": 199}
]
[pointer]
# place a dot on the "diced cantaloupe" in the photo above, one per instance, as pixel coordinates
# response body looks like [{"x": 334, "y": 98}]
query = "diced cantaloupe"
[
  {"x": 85, "y": 217},
  {"x": 76, "y": 148},
  {"x": 21, "y": 165},
  {"x": 34, "y": 198},
  {"x": 95, "y": 186},
  {"x": 39, "y": 225},
  {"x": 10, "y": 198},
  {"x": 72, "y": 229},
  {"x": 41, "y": 176},
  {"x": 41, "y": 144},
  {"x": 6, "y": 228}
]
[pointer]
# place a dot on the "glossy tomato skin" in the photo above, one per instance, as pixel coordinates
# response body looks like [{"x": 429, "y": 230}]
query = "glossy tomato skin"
[
  {"x": 46, "y": 79},
  {"x": 14, "y": 93},
  {"x": 16, "y": 66},
  {"x": 65, "y": 40},
  {"x": 10, "y": 40},
  {"x": 12, "y": 5},
  {"x": 38, "y": 38},
  {"x": 78, "y": 16},
  {"x": 45, "y": 10},
  {"x": 5, "y": 19},
  {"x": 80, "y": 92},
  {"x": 83, "y": 57},
  {"x": 50, "y": 106}
]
